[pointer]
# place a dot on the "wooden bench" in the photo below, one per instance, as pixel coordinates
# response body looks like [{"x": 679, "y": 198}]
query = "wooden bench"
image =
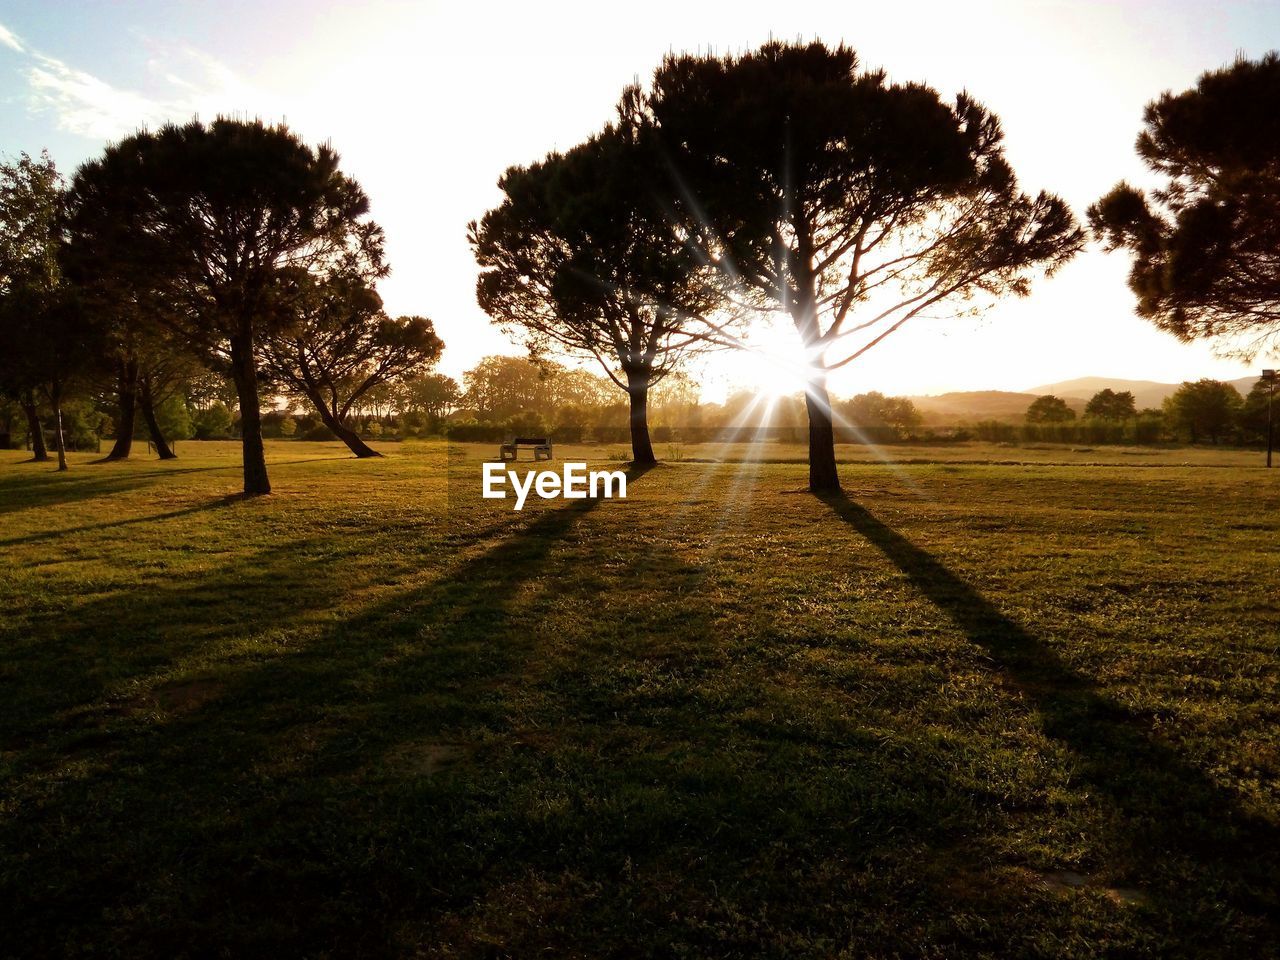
[{"x": 511, "y": 449}]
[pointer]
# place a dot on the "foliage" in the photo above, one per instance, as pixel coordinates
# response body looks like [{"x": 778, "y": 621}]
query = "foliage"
[
  {"x": 212, "y": 423},
  {"x": 1206, "y": 408},
  {"x": 582, "y": 256},
  {"x": 1204, "y": 242},
  {"x": 1107, "y": 404},
  {"x": 874, "y": 409},
  {"x": 1049, "y": 409}
]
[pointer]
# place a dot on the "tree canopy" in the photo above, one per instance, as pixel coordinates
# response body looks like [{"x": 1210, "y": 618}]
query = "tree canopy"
[
  {"x": 1049, "y": 409},
  {"x": 1205, "y": 408},
  {"x": 1108, "y": 404},
  {"x": 1206, "y": 242}
]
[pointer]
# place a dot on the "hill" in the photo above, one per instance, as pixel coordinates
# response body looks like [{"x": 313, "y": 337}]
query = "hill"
[
  {"x": 1146, "y": 393},
  {"x": 972, "y": 405}
]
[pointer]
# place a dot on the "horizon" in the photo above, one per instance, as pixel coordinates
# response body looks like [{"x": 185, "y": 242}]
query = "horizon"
[{"x": 539, "y": 86}]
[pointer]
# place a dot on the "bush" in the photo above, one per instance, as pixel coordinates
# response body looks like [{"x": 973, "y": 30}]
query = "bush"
[
  {"x": 319, "y": 433},
  {"x": 212, "y": 423}
]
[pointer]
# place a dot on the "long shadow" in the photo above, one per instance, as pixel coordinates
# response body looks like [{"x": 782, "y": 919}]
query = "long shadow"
[
  {"x": 416, "y": 664},
  {"x": 113, "y": 524},
  {"x": 1170, "y": 809}
]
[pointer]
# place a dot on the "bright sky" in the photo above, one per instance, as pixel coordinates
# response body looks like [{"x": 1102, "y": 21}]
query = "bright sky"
[{"x": 428, "y": 103}]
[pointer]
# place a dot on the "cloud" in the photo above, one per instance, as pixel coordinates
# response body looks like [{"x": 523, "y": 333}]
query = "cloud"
[
  {"x": 10, "y": 39},
  {"x": 85, "y": 105},
  {"x": 191, "y": 84}
]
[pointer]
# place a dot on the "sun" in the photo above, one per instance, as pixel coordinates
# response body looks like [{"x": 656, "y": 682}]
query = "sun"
[{"x": 774, "y": 359}]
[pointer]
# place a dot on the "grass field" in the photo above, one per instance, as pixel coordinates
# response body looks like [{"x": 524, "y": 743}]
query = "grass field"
[{"x": 1028, "y": 709}]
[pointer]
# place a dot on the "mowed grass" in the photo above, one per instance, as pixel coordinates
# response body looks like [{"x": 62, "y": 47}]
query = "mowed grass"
[{"x": 969, "y": 710}]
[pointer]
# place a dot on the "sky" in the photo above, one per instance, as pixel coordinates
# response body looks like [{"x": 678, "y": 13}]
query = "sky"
[{"x": 428, "y": 103}]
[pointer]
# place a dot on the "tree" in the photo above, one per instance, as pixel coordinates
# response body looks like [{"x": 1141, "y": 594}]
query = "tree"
[
  {"x": 874, "y": 409},
  {"x": 1204, "y": 243},
  {"x": 210, "y": 226},
  {"x": 1253, "y": 412},
  {"x": 850, "y": 203},
  {"x": 499, "y": 387},
  {"x": 30, "y": 196},
  {"x": 343, "y": 347},
  {"x": 1049, "y": 409},
  {"x": 1107, "y": 404},
  {"x": 582, "y": 256},
  {"x": 1207, "y": 408},
  {"x": 433, "y": 394},
  {"x": 42, "y": 317}
]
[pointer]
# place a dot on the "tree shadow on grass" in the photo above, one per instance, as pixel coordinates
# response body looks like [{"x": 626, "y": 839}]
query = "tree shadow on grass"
[
  {"x": 126, "y": 522},
  {"x": 1169, "y": 810},
  {"x": 273, "y": 744}
]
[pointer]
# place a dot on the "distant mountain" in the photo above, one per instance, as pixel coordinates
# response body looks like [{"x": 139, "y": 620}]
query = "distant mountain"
[
  {"x": 947, "y": 409},
  {"x": 1146, "y": 393},
  {"x": 973, "y": 405}
]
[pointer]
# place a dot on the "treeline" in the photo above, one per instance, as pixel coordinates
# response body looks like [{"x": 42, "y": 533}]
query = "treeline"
[
  {"x": 499, "y": 397},
  {"x": 1197, "y": 412}
]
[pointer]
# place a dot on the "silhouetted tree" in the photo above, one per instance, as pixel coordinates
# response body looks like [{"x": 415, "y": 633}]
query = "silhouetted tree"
[
  {"x": 1049, "y": 409},
  {"x": 1107, "y": 404},
  {"x": 1206, "y": 408},
  {"x": 211, "y": 225},
  {"x": 848, "y": 202},
  {"x": 1204, "y": 243},
  {"x": 342, "y": 347},
  {"x": 582, "y": 256}
]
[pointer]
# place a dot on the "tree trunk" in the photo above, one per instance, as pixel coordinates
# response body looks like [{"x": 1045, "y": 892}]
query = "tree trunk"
[
  {"x": 342, "y": 431},
  {"x": 823, "y": 477},
  {"x": 59, "y": 438},
  {"x": 127, "y": 397},
  {"x": 638, "y": 391},
  {"x": 245, "y": 373},
  {"x": 39, "y": 452},
  {"x": 153, "y": 425}
]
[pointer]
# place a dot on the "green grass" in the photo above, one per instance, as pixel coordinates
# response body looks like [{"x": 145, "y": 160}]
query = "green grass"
[{"x": 970, "y": 710}]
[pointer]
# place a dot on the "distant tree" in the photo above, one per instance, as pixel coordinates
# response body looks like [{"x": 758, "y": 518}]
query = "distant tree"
[
  {"x": 582, "y": 256},
  {"x": 1204, "y": 243},
  {"x": 1253, "y": 412},
  {"x": 1206, "y": 408},
  {"x": 1107, "y": 404},
  {"x": 433, "y": 394},
  {"x": 211, "y": 225},
  {"x": 213, "y": 422},
  {"x": 342, "y": 348},
  {"x": 874, "y": 409},
  {"x": 848, "y": 202},
  {"x": 1049, "y": 409},
  {"x": 499, "y": 387}
]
